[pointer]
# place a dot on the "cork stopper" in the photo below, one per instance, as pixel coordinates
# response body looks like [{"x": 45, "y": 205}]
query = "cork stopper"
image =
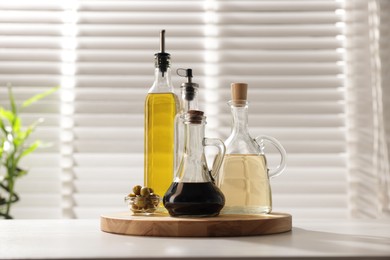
[
  {"x": 194, "y": 116},
  {"x": 239, "y": 92}
]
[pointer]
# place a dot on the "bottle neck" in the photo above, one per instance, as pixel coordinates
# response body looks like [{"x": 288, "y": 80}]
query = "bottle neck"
[
  {"x": 162, "y": 81},
  {"x": 189, "y": 104},
  {"x": 192, "y": 161},
  {"x": 240, "y": 118},
  {"x": 194, "y": 134},
  {"x": 194, "y": 129}
]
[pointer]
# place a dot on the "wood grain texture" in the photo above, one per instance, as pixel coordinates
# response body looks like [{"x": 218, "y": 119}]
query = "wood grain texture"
[{"x": 223, "y": 225}]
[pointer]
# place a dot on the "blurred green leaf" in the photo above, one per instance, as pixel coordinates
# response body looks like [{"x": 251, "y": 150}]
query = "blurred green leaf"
[
  {"x": 31, "y": 148},
  {"x": 39, "y": 96},
  {"x": 2, "y": 127},
  {"x": 31, "y": 129},
  {"x": 20, "y": 172},
  {"x": 7, "y": 114},
  {"x": 17, "y": 124},
  {"x": 12, "y": 101},
  {"x": 22, "y": 136}
]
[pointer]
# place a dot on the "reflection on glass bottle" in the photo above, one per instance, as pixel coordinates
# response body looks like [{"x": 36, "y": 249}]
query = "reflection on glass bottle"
[
  {"x": 193, "y": 193},
  {"x": 244, "y": 177},
  {"x": 161, "y": 106}
]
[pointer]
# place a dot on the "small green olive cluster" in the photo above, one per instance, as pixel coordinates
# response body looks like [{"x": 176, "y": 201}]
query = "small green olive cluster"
[{"x": 143, "y": 200}]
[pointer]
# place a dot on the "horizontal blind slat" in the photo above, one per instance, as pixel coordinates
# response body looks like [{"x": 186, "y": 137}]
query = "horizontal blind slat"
[
  {"x": 199, "y": 5},
  {"x": 109, "y": 56},
  {"x": 145, "y": 81}
]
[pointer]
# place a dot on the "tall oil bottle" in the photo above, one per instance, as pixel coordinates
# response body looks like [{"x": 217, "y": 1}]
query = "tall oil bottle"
[{"x": 161, "y": 106}]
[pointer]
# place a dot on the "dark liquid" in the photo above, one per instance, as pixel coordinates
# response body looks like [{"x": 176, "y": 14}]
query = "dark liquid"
[{"x": 198, "y": 199}]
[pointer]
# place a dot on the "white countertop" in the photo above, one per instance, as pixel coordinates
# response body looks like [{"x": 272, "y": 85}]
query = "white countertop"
[{"x": 309, "y": 239}]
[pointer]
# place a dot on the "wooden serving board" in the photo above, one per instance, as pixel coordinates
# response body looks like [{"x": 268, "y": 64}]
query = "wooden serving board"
[{"x": 223, "y": 225}]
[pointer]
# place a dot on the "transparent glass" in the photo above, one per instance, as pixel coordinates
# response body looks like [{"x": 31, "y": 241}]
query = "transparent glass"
[
  {"x": 193, "y": 192},
  {"x": 188, "y": 101},
  {"x": 244, "y": 176},
  {"x": 161, "y": 107}
]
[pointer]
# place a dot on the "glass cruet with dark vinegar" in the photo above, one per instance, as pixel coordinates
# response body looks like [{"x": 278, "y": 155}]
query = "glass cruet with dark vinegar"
[
  {"x": 193, "y": 192},
  {"x": 244, "y": 175}
]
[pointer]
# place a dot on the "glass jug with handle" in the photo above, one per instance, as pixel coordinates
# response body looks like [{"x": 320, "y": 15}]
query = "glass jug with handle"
[
  {"x": 193, "y": 192},
  {"x": 244, "y": 175}
]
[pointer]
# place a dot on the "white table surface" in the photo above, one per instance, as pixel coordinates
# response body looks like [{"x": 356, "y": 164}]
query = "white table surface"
[{"x": 309, "y": 239}]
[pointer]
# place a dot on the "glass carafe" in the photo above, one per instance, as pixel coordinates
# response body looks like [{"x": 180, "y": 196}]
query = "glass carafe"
[
  {"x": 193, "y": 192},
  {"x": 244, "y": 176}
]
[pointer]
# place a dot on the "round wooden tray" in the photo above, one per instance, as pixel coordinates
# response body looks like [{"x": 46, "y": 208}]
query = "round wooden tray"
[{"x": 221, "y": 226}]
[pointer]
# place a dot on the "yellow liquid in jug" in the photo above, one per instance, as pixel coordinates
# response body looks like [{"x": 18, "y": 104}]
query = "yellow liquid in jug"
[
  {"x": 160, "y": 111},
  {"x": 244, "y": 182}
]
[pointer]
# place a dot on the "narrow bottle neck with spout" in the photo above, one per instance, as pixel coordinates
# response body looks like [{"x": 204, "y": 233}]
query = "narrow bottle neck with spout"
[
  {"x": 162, "y": 82},
  {"x": 189, "y": 103},
  {"x": 162, "y": 74}
]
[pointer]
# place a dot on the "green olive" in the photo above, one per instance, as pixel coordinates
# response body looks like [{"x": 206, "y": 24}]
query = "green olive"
[
  {"x": 155, "y": 203},
  {"x": 145, "y": 192},
  {"x": 144, "y": 199},
  {"x": 141, "y": 202},
  {"x": 137, "y": 189}
]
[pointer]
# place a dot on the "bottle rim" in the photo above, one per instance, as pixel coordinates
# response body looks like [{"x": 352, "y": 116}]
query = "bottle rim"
[
  {"x": 238, "y": 103},
  {"x": 194, "y": 117}
]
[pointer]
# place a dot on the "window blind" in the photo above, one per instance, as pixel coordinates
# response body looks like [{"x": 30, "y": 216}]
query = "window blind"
[
  {"x": 290, "y": 53},
  {"x": 367, "y": 107},
  {"x": 30, "y": 60}
]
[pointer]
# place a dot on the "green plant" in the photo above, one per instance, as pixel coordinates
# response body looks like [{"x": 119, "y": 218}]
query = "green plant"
[{"x": 14, "y": 147}]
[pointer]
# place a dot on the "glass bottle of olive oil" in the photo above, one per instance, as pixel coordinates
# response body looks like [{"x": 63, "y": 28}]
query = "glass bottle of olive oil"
[{"x": 161, "y": 106}]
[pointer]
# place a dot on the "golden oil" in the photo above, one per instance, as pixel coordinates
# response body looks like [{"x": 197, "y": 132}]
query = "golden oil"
[
  {"x": 160, "y": 112},
  {"x": 245, "y": 184}
]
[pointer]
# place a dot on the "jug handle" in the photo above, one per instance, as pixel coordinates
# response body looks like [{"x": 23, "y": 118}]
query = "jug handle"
[
  {"x": 218, "y": 158},
  {"x": 282, "y": 165}
]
